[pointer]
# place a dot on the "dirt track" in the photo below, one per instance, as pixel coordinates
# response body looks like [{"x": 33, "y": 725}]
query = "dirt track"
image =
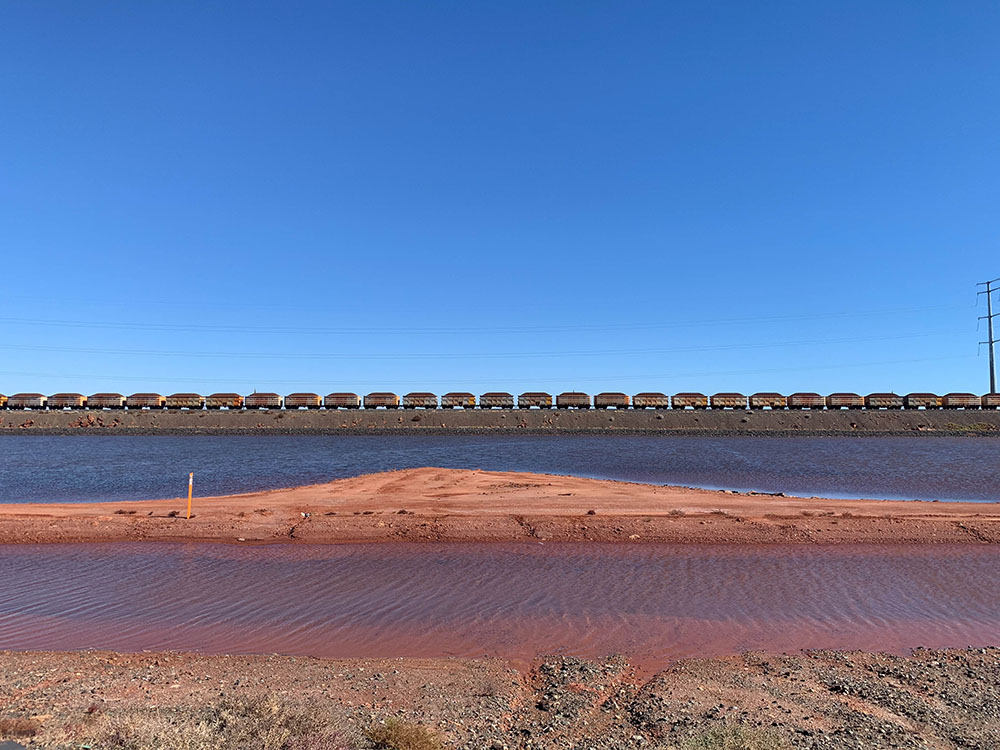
[
  {"x": 432, "y": 504},
  {"x": 535, "y": 421}
]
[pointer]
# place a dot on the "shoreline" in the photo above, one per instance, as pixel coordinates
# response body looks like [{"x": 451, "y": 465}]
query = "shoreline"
[
  {"x": 715, "y": 423},
  {"x": 458, "y": 505},
  {"x": 835, "y": 700}
]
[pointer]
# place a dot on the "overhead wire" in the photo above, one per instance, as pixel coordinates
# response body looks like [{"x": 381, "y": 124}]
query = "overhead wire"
[{"x": 549, "y": 354}]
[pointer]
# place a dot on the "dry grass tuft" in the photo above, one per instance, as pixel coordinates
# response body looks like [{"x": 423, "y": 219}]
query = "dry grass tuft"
[
  {"x": 260, "y": 723},
  {"x": 400, "y": 735},
  {"x": 18, "y": 728},
  {"x": 677, "y": 512},
  {"x": 736, "y": 738}
]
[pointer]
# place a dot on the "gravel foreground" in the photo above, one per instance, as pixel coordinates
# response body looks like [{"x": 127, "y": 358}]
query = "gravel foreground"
[{"x": 825, "y": 700}]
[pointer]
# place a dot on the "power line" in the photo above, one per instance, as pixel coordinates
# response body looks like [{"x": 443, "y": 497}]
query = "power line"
[
  {"x": 548, "y": 354},
  {"x": 453, "y": 330},
  {"x": 466, "y": 381},
  {"x": 989, "y": 323}
]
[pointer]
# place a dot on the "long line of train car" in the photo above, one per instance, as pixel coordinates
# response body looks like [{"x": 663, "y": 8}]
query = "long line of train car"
[{"x": 499, "y": 400}]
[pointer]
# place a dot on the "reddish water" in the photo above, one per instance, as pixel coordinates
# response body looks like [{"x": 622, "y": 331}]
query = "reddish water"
[{"x": 653, "y": 602}]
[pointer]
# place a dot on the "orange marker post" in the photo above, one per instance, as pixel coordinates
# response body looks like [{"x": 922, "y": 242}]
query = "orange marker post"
[{"x": 190, "y": 490}]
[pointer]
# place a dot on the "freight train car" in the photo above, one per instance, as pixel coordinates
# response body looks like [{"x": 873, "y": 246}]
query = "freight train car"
[
  {"x": 922, "y": 401},
  {"x": 342, "y": 401},
  {"x": 145, "y": 401},
  {"x": 3, "y": 401},
  {"x": 263, "y": 401},
  {"x": 728, "y": 401},
  {"x": 458, "y": 400},
  {"x": 224, "y": 401},
  {"x": 572, "y": 400},
  {"x": 194, "y": 401},
  {"x": 534, "y": 398},
  {"x": 381, "y": 399},
  {"x": 27, "y": 401},
  {"x": 768, "y": 401},
  {"x": 420, "y": 400},
  {"x": 689, "y": 401},
  {"x": 105, "y": 401},
  {"x": 67, "y": 401},
  {"x": 961, "y": 401},
  {"x": 803, "y": 400},
  {"x": 650, "y": 400},
  {"x": 303, "y": 401},
  {"x": 496, "y": 400},
  {"x": 844, "y": 401},
  {"x": 991, "y": 401},
  {"x": 884, "y": 401},
  {"x": 608, "y": 400}
]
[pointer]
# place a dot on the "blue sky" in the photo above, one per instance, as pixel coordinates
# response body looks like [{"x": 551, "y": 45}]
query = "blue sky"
[{"x": 465, "y": 195}]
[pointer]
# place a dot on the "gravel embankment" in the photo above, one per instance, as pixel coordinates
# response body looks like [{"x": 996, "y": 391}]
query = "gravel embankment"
[{"x": 534, "y": 421}]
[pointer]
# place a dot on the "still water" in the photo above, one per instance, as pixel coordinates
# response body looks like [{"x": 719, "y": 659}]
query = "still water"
[
  {"x": 42, "y": 468},
  {"x": 653, "y": 602}
]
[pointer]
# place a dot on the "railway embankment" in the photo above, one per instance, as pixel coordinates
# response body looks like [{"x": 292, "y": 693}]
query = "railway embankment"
[{"x": 501, "y": 421}]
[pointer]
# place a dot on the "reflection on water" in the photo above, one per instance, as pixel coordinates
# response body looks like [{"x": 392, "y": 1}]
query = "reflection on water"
[
  {"x": 653, "y": 602},
  {"x": 41, "y": 468}
]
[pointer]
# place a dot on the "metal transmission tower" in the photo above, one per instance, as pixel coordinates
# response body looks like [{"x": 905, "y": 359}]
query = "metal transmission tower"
[{"x": 988, "y": 317}]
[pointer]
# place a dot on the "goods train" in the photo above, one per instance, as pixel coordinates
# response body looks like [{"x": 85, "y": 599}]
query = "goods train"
[{"x": 499, "y": 400}]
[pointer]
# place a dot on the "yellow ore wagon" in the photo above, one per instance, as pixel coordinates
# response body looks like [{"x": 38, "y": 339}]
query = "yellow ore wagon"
[
  {"x": 420, "y": 400},
  {"x": 961, "y": 401},
  {"x": 728, "y": 401},
  {"x": 26, "y": 401},
  {"x": 651, "y": 400},
  {"x": 185, "y": 401},
  {"x": 263, "y": 401},
  {"x": 608, "y": 399},
  {"x": 458, "y": 399},
  {"x": 572, "y": 400},
  {"x": 689, "y": 400},
  {"x": 342, "y": 401},
  {"x": 224, "y": 401},
  {"x": 844, "y": 401},
  {"x": 375, "y": 400},
  {"x": 884, "y": 401},
  {"x": 922, "y": 401},
  {"x": 303, "y": 401},
  {"x": 106, "y": 401},
  {"x": 806, "y": 401},
  {"x": 3, "y": 401},
  {"x": 145, "y": 401},
  {"x": 67, "y": 401},
  {"x": 534, "y": 398},
  {"x": 768, "y": 401},
  {"x": 496, "y": 400}
]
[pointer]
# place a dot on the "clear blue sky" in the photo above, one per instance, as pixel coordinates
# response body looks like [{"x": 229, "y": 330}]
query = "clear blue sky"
[{"x": 514, "y": 195}]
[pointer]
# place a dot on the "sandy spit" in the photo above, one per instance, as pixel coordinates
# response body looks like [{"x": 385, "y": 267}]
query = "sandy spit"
[{"x": 431, "y": 504}]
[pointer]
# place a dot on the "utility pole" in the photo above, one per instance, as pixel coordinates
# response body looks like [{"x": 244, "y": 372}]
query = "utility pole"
[{"x": 989, "y": 325}]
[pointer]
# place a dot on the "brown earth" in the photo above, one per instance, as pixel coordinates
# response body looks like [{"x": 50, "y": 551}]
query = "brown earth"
[
  {"x": 432, "y": 504},
  {"x": 944, "y": 700},
  {"x": 501, "y": 421}
]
